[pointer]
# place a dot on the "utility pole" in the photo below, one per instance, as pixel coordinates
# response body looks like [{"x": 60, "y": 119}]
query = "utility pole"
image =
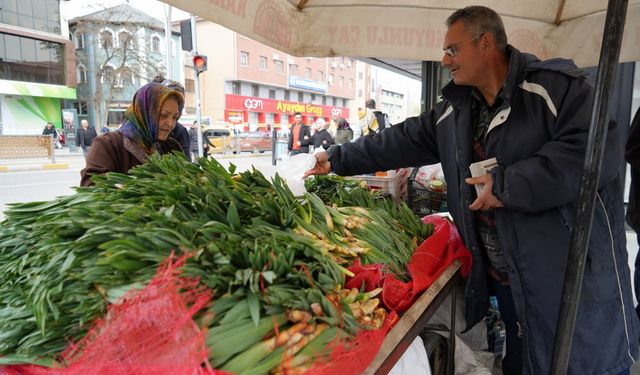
[
  {"x": 194, "y": 52},
  {"x": 167, "y": 39}
]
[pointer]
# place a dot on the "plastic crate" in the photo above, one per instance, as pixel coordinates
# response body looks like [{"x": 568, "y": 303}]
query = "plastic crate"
[
  {"x": 423, "y": 201},
  {"x": 394, "y": 184}
]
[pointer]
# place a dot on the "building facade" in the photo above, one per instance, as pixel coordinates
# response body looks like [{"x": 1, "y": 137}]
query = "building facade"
[
  {"x": 37, "y": 65},
  {"x": 253, "y": 87},
  {"x": 118, "y": 50}
]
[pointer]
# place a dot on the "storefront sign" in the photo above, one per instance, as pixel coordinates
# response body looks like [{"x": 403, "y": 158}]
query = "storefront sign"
[
  {"x": 235, "y": 117},
  {"x": 307, "y": 84},
  {"x": 236, "y": 105},
  {"x": 36, "y": 89}
]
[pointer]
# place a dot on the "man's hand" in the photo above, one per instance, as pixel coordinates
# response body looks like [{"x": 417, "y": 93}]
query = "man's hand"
[
  {"x": 486, "y": 199},
  {"x": 306, "y": 137},
  {"x": 323, "y": 166}
]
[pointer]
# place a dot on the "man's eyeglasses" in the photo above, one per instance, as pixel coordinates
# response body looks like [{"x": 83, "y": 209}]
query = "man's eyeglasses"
[
  {"x": 454, "y": 49},
  {"x": 173, "y": 85}
]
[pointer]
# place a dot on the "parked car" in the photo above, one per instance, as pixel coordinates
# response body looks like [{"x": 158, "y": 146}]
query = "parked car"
[
  {"x": 221, "y": 138},
  {"x": 252, "y": 142}
]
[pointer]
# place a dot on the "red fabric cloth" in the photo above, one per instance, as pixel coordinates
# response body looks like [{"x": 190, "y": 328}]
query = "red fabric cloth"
[{"x": 429, "y": 260}]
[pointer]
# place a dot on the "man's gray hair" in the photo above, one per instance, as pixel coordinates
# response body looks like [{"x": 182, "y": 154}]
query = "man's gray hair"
[{"x": 479, "y": 20}]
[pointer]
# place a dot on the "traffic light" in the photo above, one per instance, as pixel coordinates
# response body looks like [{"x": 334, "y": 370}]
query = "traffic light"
[{"x": 200, "y": 63}]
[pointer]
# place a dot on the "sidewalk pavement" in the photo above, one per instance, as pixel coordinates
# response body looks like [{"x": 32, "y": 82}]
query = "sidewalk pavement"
[{"x": 64, "y": 158}]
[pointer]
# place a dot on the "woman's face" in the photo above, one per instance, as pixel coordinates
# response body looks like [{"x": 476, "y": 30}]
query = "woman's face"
[{"x": 169, "y": 115}]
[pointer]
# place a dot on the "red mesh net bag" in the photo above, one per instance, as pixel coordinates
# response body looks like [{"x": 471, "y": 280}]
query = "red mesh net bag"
[
  {"x": 428, "y": 262},
  {"x": 354, "y": 356},
  {"x": 150, "y": 332}
]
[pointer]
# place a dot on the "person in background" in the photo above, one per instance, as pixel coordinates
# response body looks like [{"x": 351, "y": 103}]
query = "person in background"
[
  {"x": 50, "y": 129},
  {"x": 299, "y": 136},
  {"x": 321, "y": 138},
  {"x": 372, "y": 121},
  {"x": 179, "y": 133},
  {"x": 85, "y": 137},
  {"x": 344, "y": 133},
  {"x": 632, "y": 156},
  {"x": 149, "y": 120},
  {"x": 527, "y": 121},
  {"x": 193, "y": 142}
]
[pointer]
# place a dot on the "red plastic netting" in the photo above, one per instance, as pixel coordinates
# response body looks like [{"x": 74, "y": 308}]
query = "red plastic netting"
[
  {"x": 150, "y": 332},
  {"x": 429, "y": 260},
  {"x": 354, "y": 356}
]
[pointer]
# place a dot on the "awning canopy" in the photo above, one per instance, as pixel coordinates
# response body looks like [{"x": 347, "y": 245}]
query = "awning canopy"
[
  {"x": 414, "y": 29},
  {"x": 36, "y": 89}
]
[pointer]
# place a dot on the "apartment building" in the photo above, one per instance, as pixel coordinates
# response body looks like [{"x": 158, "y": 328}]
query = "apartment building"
[
  {"x": 37, "y": 65},
  {"x": 255, "y": 87}
]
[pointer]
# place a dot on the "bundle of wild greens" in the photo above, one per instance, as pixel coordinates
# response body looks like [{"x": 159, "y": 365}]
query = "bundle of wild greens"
[{"x": 268, "y": 257}]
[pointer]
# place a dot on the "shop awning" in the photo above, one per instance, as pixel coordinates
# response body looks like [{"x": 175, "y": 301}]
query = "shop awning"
[
  {"x": 36, "y": 89},
  {"x": 370, "y": 28}
]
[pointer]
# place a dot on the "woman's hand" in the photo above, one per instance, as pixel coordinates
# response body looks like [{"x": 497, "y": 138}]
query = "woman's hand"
[{"x": 323, "y": 166}]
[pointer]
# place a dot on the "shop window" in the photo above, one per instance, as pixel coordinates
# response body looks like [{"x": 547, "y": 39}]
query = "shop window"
[
  {"x": 107, "y": 74},
  {"x": 335, "y": 102},
  {"x": 279, "y": 65},
  {"x": 81, "y": 107},
  {"x": 124, "y": 38},
  {"x": 255, "y": 90},
  {"x": 344, "y": 102},
  {"x": 300, "y": 96},
  {"x": 235, "y": 87},
  {"x": 106, "y": 39},
  {"x": 79, "y": 40},
  {"x": 155, "y": 44},
  {"x": 272, "y": 94},
  {"x": 82, "y": 74},
  {"x": 293, "y": 70},
  {"x": 287, "y": 95},
  {"x": 244, "y": 58},
  {"x": 313, "y": 98}
]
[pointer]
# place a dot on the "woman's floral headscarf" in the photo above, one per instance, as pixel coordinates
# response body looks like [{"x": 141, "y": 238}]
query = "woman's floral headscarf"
[{"x": 141, "y": 124}]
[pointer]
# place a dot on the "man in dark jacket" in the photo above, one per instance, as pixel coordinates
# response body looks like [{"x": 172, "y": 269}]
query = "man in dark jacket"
[
  {"x": 85, "y": 136},
  {"x": 299, "y": 136},
  {"x": 632, "y": 155},
  {"x": 533, "y": 118},
  {"x": 322, "y": 137}
]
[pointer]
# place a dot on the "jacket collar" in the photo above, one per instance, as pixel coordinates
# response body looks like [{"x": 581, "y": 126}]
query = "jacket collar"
[{"x": 518, "y": 62}]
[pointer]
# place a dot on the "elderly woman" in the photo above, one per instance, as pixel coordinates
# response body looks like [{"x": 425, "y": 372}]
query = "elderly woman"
[
  {"x": 150, "y": 118},
  {"x": 344, "y": 133}
]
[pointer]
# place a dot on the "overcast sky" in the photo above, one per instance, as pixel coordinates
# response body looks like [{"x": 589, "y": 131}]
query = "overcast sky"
[{"x": 154, "y": 8}]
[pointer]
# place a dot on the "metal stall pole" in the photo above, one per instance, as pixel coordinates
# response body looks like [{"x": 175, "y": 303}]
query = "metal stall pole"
[
  {"x": 274, "y": 145},
  {"x": 609, "y": 53}
]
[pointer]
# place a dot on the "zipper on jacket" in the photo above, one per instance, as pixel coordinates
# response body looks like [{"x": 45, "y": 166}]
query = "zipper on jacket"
[{"x": 615, "y": 264}]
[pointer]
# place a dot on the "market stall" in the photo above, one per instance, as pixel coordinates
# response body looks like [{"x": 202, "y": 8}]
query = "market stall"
[{"x": 206, "y": 269}]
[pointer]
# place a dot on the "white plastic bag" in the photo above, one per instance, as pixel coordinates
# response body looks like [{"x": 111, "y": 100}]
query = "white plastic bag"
[{"x": 293, "y": 170}]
